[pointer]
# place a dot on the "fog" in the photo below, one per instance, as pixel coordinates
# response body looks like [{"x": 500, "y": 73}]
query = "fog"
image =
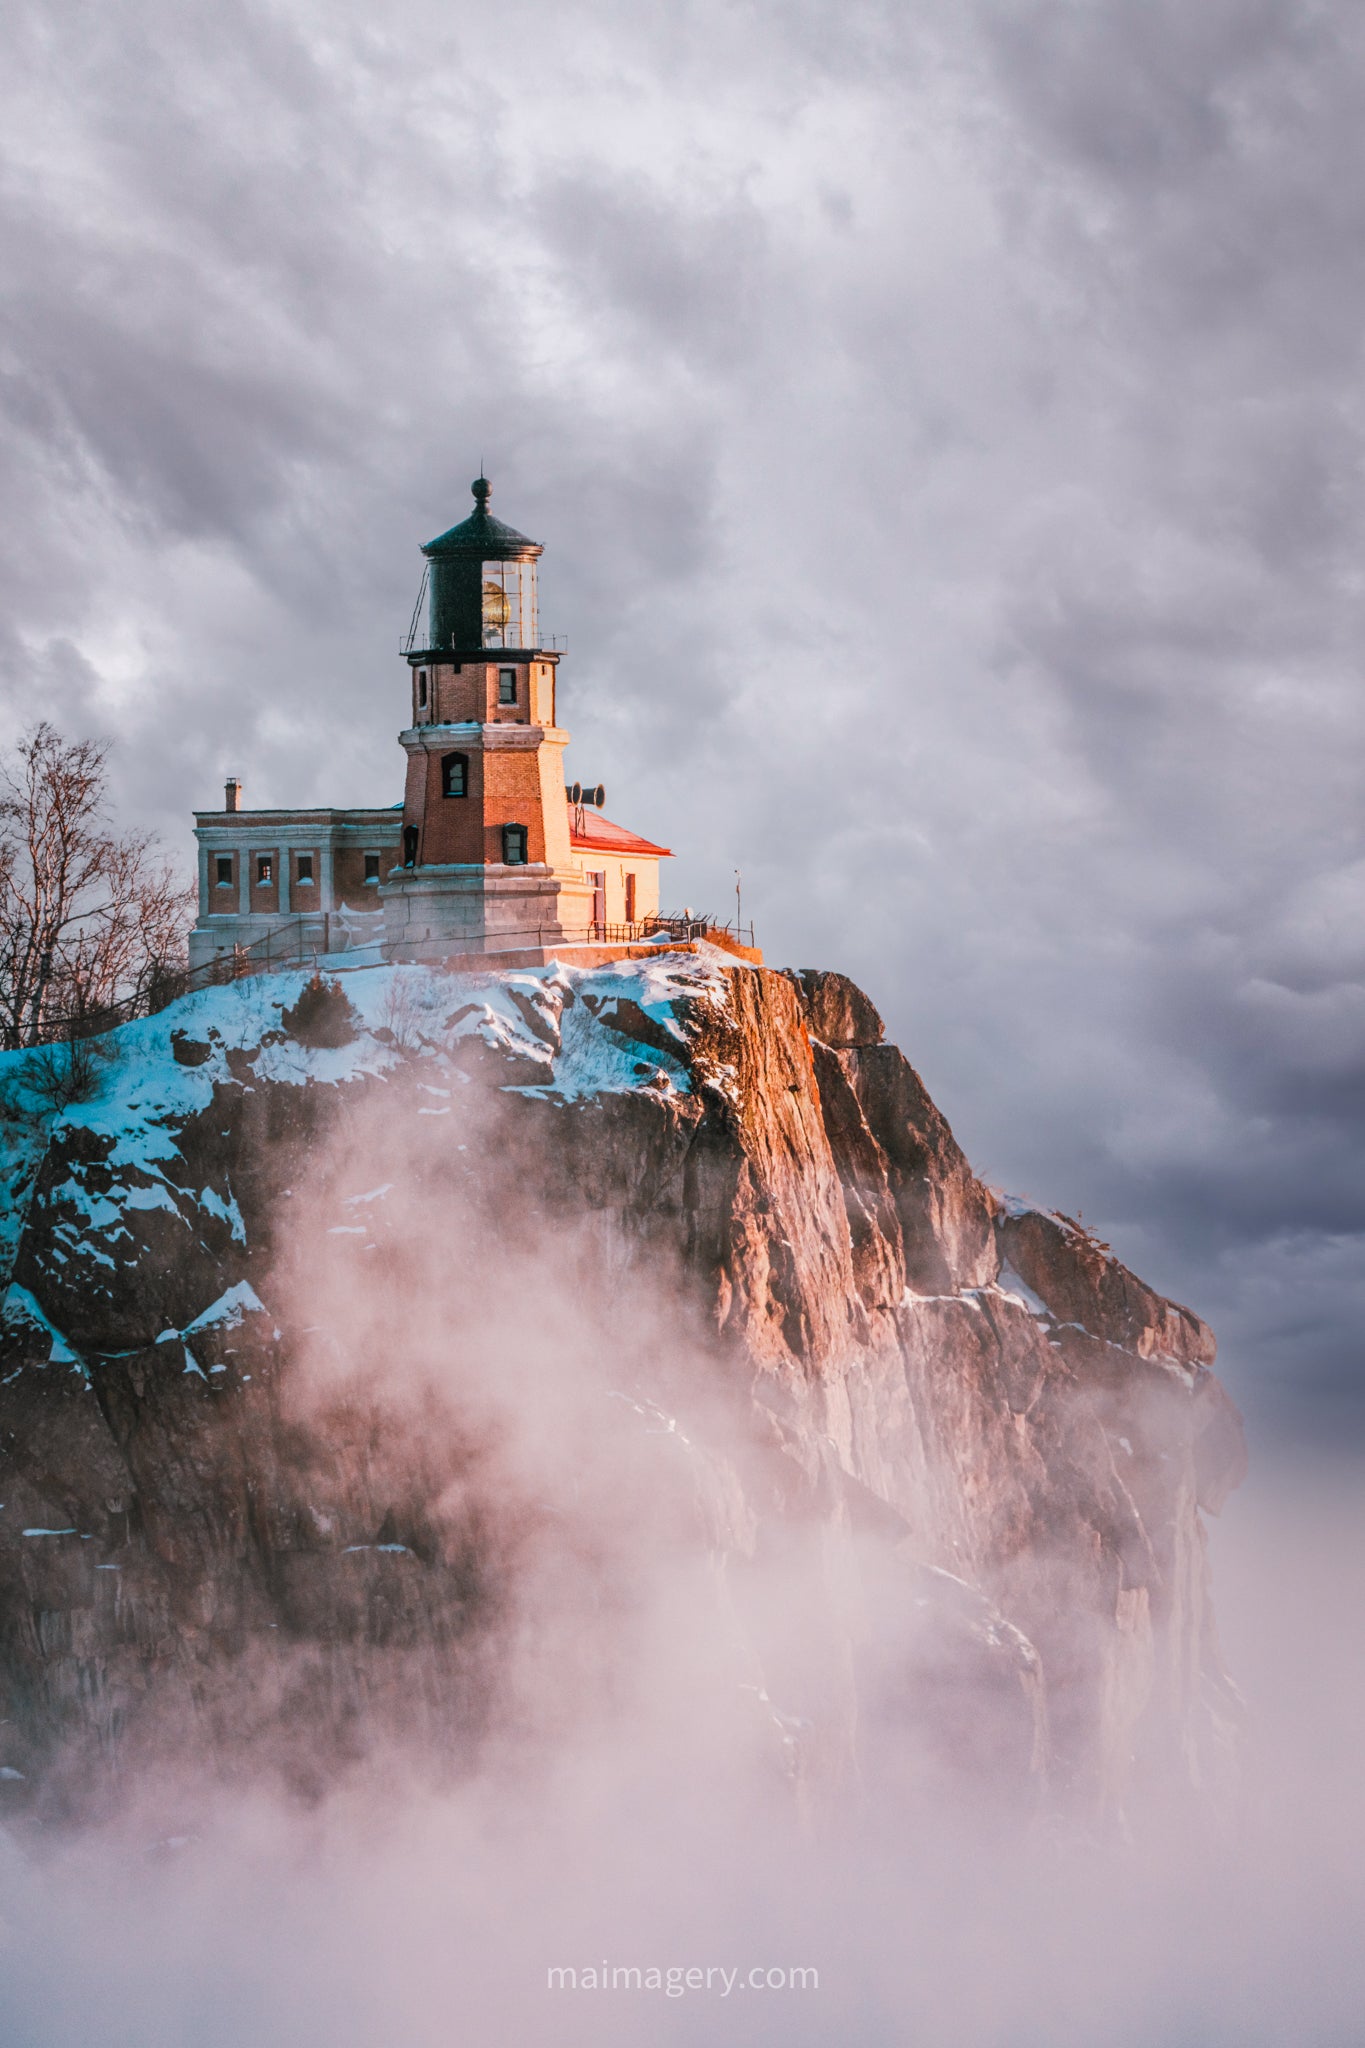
[
  {"x": 673, "y": 1749},
  {"x": 399, "y": 1910},
  {"x": 944, "y": 428}
]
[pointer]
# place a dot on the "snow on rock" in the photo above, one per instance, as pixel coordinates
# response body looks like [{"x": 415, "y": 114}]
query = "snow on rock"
[
  {"x": 21, "y": 1316},
  {"x": 923, "y": 1362},
  {"x": 565, "y": 1033},
  {"x": 226, "y": 1210},
  {"x": 229, "y": 1311},
  {"x": 1014, "y": 1289}
]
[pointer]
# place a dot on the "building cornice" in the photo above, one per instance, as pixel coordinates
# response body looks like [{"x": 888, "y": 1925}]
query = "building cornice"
[
  {"x": 298, "y": 828},
  {"x": 360, "y": 815},
  {"x": 476, "y": 876},
  {"x": 525, "y": 739}
]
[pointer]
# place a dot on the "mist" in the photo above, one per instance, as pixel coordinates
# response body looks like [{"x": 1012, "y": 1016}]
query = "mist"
[
  {"x": 642, "y": 1751},
  {"x": 944, "y": 430},
  {"x": 399, "y": 1908}
]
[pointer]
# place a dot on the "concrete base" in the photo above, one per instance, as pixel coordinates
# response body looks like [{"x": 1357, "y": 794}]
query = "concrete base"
[{"x": 431, "y": 913}]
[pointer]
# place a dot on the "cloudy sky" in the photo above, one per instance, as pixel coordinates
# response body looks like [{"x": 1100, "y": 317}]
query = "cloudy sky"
[{"x": 944, "y": 423}]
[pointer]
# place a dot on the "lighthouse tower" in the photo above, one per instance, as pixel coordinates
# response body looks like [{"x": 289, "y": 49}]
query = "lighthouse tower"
[
  {"x": 488, "y": 852},
  {"x": 486, "y": 859}
]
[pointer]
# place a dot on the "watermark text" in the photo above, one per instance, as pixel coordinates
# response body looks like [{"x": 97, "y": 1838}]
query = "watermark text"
[{"x": 676, "y": 1980}]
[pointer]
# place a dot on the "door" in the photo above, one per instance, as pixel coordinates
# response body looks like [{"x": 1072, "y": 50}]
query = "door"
[{"x": 598, "y": 878}]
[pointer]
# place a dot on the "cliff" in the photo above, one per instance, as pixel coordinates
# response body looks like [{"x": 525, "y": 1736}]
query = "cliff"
[{"x": 345, "y": 1344}]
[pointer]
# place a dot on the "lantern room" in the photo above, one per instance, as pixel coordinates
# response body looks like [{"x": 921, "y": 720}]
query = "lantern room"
[{"x": 482, "y": 579}]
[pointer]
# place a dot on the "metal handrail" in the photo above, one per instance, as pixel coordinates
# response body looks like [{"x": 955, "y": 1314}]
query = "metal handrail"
[
  {"x": 291, "y": 946},
  {"x": 551, "y": 643},
  {"x": 699, "y": 926},
  {"x": 284, "y": 946}
]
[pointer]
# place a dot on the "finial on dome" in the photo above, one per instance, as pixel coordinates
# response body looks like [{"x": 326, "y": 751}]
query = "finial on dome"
[{"x": 482, "y": 490}]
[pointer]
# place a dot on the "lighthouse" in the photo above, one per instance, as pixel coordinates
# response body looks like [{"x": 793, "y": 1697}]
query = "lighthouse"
[
  {"x": 488, "y": 852},
  {"x": 495, "y": 858}
]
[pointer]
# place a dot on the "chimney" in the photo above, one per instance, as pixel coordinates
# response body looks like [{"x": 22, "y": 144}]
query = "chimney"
[{"x": 233, "y": 794}]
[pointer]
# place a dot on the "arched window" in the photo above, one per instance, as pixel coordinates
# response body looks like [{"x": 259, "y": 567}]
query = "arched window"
[
  {"x": 514, "y": 846},
  {"x": 454, "y": 775},
  {"x": 422, "y": 687},
  {"x": 409, "y": 845}
]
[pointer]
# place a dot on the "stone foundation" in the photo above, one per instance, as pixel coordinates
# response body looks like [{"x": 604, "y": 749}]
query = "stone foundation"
[{"x": 432, "y": 912}]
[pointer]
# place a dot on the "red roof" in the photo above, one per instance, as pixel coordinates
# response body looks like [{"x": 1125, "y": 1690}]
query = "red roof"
[{"x": 597, "y": 834}]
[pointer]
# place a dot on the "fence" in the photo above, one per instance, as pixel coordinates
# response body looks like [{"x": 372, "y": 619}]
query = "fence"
[
  {"x": 295, "y": 945},
  {"x": 286, "y": 946},
  {"x": 690, "y": 925}
]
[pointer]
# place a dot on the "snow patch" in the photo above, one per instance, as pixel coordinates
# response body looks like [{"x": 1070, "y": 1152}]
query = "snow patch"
[
  {"x": 19, "y": 1310},
  {"x": 156, "y": 1195},
  {"x": 229, "y": 1311},
  {"x": 1014, "y": 1288},
  {"x": 226, "y": 1211},
  {"x": 569, "y": 1029},
  {"x": 967, "y": 1299}
]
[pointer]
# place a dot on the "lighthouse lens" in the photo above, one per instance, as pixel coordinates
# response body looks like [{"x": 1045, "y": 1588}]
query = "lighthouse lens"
[{"x": 509, "y": 604}]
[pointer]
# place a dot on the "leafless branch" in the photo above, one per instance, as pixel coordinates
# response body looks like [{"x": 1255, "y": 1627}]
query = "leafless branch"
[{"x": 90, "y": 919}]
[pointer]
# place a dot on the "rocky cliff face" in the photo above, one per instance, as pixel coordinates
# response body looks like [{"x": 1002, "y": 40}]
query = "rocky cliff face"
[{"x": 330, "y": 1368}]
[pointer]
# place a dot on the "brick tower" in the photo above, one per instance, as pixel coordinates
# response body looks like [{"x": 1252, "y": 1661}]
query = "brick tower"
[{"x": 486, "y": 861}]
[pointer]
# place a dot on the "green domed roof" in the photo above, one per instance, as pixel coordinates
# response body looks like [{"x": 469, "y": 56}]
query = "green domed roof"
[{"x": 481, "y": 534}]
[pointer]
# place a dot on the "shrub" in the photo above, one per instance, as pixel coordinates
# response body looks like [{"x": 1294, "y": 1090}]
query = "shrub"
[
  {"x": 322, "y": 1015},
  {"x": 402, "y": 1012},
  {"x": 66, "y": 1071}
]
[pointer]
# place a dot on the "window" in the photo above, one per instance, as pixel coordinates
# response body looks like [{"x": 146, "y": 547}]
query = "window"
[
  {"x": 372, "y": 867},
  {"x": 454, "y": 775},
  {"x": 514, "y": 845},
  {"x": 265, "y": 870},
  {"x": 507, "y": 686},
  {"x": 630, "y": 899},
  {"x": 421, "y": 687},
  {"x": 223, "y": 870},
  {"x": 409, "y": 846},
  {"x": 305, "y": 868}
]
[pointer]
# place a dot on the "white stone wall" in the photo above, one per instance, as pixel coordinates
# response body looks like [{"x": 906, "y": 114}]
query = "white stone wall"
[{"x": 430, "y": 911}]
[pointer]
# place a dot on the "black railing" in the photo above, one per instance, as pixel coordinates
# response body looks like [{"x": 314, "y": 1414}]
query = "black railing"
[
  {"x": 551, "y": 643},
  {"x": 284, "y": 946},
  {"x": 693, "y": 925},
  {"x": 295, "y": 946}
]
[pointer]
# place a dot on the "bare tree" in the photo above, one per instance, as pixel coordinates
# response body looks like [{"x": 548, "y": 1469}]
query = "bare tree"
[{"x": 92, "y": 921}]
